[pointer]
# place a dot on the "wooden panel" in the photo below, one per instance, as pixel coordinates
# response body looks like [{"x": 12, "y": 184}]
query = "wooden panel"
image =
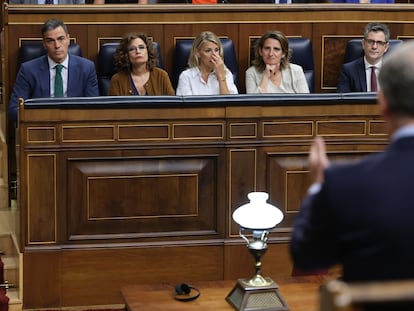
[
  {"x": 341, "y": 128},
  {"x": 288, "y": 179},
  {"x": 377, "y": 127},
  {"x": 243, "y": 130},
  {"x": 242, "y": 180},
  {"x": 41, "y": 198},
  {"x": 333, "y": 49},
  {"x": 43, "y": 288},
  {"x": 287, "y": 129},
  {"x": 140, "y": 132},
  {"x": 198, "y": 131},
  {"x": 41, "y": 135},
  {"x": 88, "y": 134},
  {"x": 143, "y": 197}
]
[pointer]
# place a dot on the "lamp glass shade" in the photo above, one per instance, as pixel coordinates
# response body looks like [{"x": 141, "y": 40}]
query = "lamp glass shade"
[{"x": 258, "y": 214}]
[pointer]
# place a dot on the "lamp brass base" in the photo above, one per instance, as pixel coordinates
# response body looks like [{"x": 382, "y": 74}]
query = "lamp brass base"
[{"x": 247, "y": 297}]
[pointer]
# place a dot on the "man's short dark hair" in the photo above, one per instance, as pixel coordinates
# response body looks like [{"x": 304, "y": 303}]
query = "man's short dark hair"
[
  {"x": 377, "y": 27},
  {"x": 51, "y": 24}
]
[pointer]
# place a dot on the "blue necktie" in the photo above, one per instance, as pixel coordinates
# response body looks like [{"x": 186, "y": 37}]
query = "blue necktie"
[
  {"x": 282, "y": 1},
  {"x": 48, "y": 1},
  {"x": 58, "y": 81}
]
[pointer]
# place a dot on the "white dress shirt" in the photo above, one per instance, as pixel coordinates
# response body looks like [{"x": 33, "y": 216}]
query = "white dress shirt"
[
  {"x": 368, "y": 73},
  {"x": 192, "y": 83}
]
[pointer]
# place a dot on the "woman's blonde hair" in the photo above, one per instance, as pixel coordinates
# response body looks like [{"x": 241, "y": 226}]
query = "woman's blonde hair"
[{"x": 199, "y": 41}]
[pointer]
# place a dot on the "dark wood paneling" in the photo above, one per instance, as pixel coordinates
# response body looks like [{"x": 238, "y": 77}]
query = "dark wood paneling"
[
  {"x": 118, "y": 209},
  {"x": 232, "y": 150},
  {"x": 44, "y": 288},
  {"x": 164, "y": 195},
  {"x": 288, "y": 181},
  {"x": 41, "y": 198},
  {"x": 242, "y": 180}
]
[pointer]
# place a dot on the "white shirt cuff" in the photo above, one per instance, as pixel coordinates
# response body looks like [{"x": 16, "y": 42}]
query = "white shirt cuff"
[{"x": 314, "y": 188}]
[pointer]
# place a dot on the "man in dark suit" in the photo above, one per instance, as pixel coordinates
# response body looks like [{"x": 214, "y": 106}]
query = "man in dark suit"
[
  {"x": 36, "y": 78},
  {"x": 356, "y": 75},
  {"x": 361, "y": 215}
]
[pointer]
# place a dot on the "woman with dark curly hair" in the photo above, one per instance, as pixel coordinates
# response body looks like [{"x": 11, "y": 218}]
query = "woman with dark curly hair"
[
  {"x": 137, "y": 74},
  {"x": 271, "y": 71}
]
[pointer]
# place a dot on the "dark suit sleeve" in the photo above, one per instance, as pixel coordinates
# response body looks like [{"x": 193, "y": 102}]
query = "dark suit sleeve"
[
  {"x": 22, "y": 89},
  {"x": 313, "y": 243},
  {"x": 90, "y": 79},
  {"x": 344, "y": 81},
  {"x": 82, "y": 78}
]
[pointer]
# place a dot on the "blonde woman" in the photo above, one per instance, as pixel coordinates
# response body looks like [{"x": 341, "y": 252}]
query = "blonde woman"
[{"x": 207, "y": 74}]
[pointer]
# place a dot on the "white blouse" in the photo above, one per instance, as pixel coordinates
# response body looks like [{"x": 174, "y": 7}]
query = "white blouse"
[
  {"x": 293, "y": 81},
  {"x": 192, "y": 83}
]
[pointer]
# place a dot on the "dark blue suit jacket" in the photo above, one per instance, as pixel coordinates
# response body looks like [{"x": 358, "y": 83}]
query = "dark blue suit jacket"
[
  {"x": 363, "y": 218},
  {"x": 352, "y": 77},
  {"x": 33, "y": 81}
]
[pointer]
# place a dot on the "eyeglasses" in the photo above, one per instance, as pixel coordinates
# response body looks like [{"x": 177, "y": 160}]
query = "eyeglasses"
[
  {"x": 372, "y": 42},
  {"x": 136, "y": 48}
]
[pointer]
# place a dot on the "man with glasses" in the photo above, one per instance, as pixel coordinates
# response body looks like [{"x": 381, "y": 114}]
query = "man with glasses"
[
  {"x": 56, "y": 74},
  {"x": 361, "y": 74}
]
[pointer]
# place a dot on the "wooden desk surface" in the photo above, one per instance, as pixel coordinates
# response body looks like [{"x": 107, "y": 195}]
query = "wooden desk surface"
[{"x": 300, "y": 293}]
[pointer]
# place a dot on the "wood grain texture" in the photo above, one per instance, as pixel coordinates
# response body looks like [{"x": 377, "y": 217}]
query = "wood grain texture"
[{"x": 118, "y": 212}]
